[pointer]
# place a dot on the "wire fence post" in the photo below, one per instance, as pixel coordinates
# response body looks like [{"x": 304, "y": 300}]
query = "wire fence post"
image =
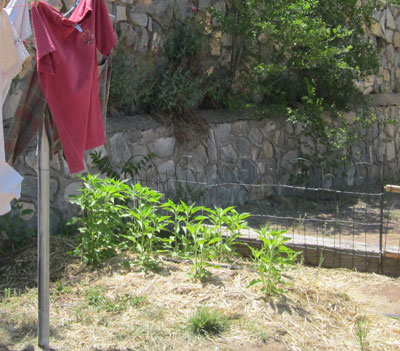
[
  {"x": 43, "y": 240},
  {"x": 381, "y": 216}
]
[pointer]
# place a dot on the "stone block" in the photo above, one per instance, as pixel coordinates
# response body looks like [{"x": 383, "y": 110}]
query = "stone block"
[
  {"x": 226, "y": 39},
  {"x": 28, "y": 206},
  {"x": 255, "y": 136},
  {"x": 120, "y": 152},
  {"x": 204, "y": 4},
  {"x": 72, "y": 189},
  {"x": 389, "y": 35},
  {"x": 140, "y": 19},
  {"x": 243, "y": 145},
  {"x": 29, "y": 187},
  {"x": 396, "y": 39},
  {"x": 222, "y": 133},
  {"x": 212, "y": 148},
  {"x": 31, "y": 160},
  {"x": 376, "y": 29},
  {"x": 248, "y": 171},
  {"x": 228, "y": 154},
  {"x": 390, "y": 22},
  {"x": 267, "y": 149},
  {"x": 121, "y": 13},
  {"x": 166, "y": 168},
  {"x": 164, "y": 147}
]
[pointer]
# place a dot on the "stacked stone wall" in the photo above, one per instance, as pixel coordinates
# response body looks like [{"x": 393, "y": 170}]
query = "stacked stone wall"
[{"x": 237, "y": 149}]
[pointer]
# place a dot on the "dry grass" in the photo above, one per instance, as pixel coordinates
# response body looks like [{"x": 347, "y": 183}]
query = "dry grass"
[{"x": 150, "y": 311}]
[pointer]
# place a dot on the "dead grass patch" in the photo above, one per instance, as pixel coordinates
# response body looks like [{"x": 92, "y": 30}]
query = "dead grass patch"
[{"x": 318, "y": 312}]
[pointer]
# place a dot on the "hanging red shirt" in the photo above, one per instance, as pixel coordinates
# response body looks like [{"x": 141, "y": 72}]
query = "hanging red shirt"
[{"x": 67, "y": 65}]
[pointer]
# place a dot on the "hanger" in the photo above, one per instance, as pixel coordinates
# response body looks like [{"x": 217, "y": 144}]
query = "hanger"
[{"x": 69, "y": 12}]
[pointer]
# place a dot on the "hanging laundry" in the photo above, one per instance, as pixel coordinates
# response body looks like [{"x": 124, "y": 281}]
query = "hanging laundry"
[
  {"x": 18, "y": 13},
  {"x": 66, "y": 62},
  {"x": 12, "y": 56},
  {"x": 32, "y": 111}
]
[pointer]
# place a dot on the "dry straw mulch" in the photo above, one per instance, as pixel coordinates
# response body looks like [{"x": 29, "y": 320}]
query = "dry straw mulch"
[{"x": 319, "y": 311}]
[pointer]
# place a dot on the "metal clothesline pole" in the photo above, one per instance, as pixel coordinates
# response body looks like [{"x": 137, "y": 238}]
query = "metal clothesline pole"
[{"x": 43, "y": 239}]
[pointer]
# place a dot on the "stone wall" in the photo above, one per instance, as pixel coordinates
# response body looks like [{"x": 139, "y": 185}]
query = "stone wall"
[{"x": 236, "y": 149}]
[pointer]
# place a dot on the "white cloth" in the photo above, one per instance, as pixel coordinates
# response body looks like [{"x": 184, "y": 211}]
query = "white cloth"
[
  {"x": 12, "y": 56},
  {"x": 19, "y": 17}
]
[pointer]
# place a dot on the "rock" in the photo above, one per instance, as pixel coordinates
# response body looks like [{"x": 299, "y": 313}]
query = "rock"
[
  {"x": 396, "y": 39},
  {"x": 120, "y": 152},
  {"x": 140, "y": 19},
  {"x": 164, "y": 147},
  {"x": 204, "y": 4},
  {"x": 72, "y": 189},
  {"x": 29, "y": 187},
  {"x": 389, "y": 35},
  {"x": 376, "y": 29},
  {"x": 211, "y": 175},
  {"x": 228, "y": 154},
  {"x": 390, "y": 23},
  {"x": 255, "y": 136},
  {"x": 212, "y": 148},
  {"x": 89, "y": 161},
  {"x": 222, "y": 133},
  {"x": 226, "y": 56},
  {"x": 390, "y": 151},
  {"x": 289, "y": 159},
  {"x": 121, "y": 13},
  {"x": 215, "y": 48},
  {"x": 166, "y": 169},
  {"x": 228, "y": 176},
  {"x": 31, "y": 160},
  {"x": 376, "y": 15},
  {"x": 267, "y": 149},
  {"x": 243, "y": 146},
  {"x": 226, "y": 39},
  {"x": 29, "y": 206},
  {"x": 248, "y": 171}
]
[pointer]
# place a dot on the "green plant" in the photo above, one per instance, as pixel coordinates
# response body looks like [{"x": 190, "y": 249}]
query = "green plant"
[
  {"x": 228, "y": 225},
  {"x": 271, "y": 259},
  {"x": 300, "y": 59},
  {"x": 361, "y": 332},
  {"x": 208, "y": 322},
  {"x": 144, "y": 224},
  {"x": 165, "y": 81},
  {"x": 129, "y": 169},
  {"x": 101, "y": 220},
  {"x": 183, "y": 215}
]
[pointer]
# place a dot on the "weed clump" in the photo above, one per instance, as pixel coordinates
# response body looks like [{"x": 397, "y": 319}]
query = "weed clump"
[{"x": 207, "y": 322}]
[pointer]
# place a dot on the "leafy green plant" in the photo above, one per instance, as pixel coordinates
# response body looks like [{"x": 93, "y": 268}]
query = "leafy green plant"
[
  {"x": 227, "y": 226},
  {"x": 208, "y": 322},
  {"x": 101, "y": 220},
  {"x": 271, "y": 259},
  {"x": 183, "y": 215},
  {"x": 165, "y": 81},
  {"x": 129, "y": 169},
  {"x": 144, "y": 224},
  {"x": 300, "y": 59}
]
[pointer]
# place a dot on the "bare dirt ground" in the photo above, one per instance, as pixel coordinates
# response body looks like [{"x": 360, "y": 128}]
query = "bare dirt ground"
[{"x": 115, "y": 309}]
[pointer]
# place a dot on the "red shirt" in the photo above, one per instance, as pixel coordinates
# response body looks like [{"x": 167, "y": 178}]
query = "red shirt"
[{"x": 67, "y": 66}]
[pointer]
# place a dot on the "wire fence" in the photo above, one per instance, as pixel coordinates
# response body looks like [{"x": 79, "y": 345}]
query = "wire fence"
[{"x": 333, "y": 227}]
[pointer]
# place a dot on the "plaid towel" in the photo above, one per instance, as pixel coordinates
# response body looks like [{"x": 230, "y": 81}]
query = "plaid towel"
[{"x": 32, "y": 111}]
